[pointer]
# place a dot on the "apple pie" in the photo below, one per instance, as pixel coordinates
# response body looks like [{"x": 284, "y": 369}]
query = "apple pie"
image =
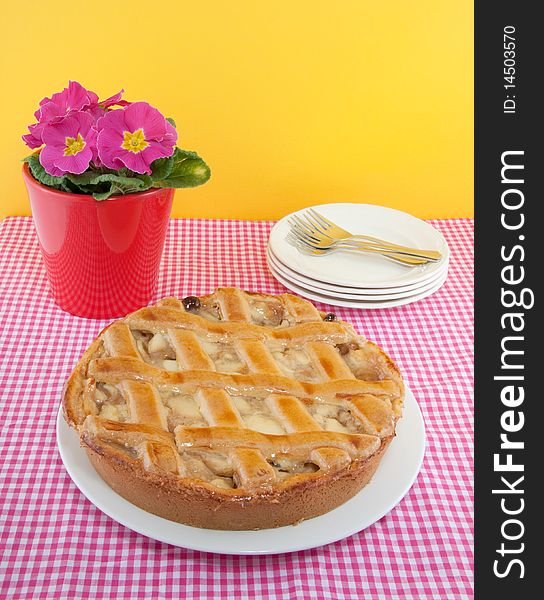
[{"x": 234, "y": 410}]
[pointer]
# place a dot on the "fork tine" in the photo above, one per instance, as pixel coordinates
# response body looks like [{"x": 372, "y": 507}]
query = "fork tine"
[
  {"x": 307, "y": 214},
  {"x": 314, "y": 213},
  {"x": 299, "y": 244},
  {"x": 293, "y": 223},
  {"x": 316, "y": 224},
  {"x": 308, "y": 230},
  {"x": 317, "y": 231},
  {"x": 300, "y": 235},
  {"x": 320, "y": 218},
  {"x": 302, "y": 224},
  {"x": 300, "y": 232},
  {"x": 306, "y": 239},
  {"x": 298, "y": 221}
]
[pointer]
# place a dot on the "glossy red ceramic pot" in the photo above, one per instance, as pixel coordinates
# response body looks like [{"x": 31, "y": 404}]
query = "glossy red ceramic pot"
[{"x": 102, "y": 257}]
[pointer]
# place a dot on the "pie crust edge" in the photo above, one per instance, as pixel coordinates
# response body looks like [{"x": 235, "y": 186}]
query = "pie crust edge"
[{"x": 195, "y": 505}]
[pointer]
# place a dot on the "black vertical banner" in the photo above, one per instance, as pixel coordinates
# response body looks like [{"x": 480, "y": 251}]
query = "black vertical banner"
[{"x": 509, "y": 348}]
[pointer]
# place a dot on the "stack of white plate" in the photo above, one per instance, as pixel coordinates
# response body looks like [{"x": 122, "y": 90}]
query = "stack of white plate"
[{"x": 359, "y": 280}]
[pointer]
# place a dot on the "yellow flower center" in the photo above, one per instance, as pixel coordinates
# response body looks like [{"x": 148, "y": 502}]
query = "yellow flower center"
[
  {"x": 74, "y": 145},
  {"x": 134, "y": 142}
]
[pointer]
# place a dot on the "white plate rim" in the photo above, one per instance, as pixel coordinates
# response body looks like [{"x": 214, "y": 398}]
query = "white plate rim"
[
  {"x": 395, "y": 476},
  {"x": 423, "y": 287},
  {"x": 361, "y": 304},
  {"x": 424, "y": 272},
  {"x": 344, "y": 289}
]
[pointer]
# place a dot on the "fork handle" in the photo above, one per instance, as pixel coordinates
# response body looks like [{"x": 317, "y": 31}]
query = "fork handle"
[
  {"x": 396, "y": 256},
  {"x": 430, "y": 254}
]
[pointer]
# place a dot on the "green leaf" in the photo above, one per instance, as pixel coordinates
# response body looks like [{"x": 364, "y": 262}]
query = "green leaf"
[
  {"x": 90, "y": 178},
  {"x": 104, "y": 192},
  {"x": 147, "y": 179},
  {"x": 103, "y": 195},
  {"x": 161, "y": 168},
  {"x": 69, "y": 187},
  {"x": 41, "y": 175},
  {"x": 188, "y": 170},
  {"x": 171, "y": 121},
  {"x": 104, "y": 185},
  {"x": 183, "y": 169},
  {"x": 124, "y": 172}
]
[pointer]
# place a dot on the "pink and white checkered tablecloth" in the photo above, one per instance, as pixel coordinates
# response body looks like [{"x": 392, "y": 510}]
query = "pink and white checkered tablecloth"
[{"x": 55, "y": 544}]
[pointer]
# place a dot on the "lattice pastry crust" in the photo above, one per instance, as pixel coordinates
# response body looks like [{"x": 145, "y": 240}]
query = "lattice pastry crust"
[{"x": 234, "y": 410}]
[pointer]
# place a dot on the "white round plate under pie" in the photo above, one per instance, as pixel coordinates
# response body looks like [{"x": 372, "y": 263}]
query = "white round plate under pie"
[{"x": 396, "y": 473}]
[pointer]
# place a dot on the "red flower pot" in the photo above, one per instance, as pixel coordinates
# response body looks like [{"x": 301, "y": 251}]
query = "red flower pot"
[{"x": 101, "y": 257}]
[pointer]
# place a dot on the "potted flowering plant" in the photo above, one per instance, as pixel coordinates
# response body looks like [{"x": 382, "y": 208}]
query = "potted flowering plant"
[{"x": 101, "y": 185}]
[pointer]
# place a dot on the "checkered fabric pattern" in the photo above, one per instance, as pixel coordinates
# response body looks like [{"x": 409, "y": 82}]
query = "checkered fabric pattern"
[{"x": 55, "y": 544}]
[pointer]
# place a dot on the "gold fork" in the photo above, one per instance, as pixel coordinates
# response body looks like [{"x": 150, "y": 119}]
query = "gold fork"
[
  {"x": 305, "y": 247},
  {"x": 319, "y": 231}
]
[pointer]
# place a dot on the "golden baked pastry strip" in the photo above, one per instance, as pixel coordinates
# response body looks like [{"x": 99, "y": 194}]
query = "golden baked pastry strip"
[
  {"x": 115, "y": 370},
  {"x": 158, "y": 319},
  {"x": 246, "y": 451},
  {"x": 298, "y": 445}
]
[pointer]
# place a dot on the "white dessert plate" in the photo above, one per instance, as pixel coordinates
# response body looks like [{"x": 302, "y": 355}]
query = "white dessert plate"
[
  {"x": 395, "y": 475},
  {"x": 325, "y": 287},
  {"x": 365, "y": 304},
  {"x": 339, "y": 292},
  {"x": 364, "y": 270}
]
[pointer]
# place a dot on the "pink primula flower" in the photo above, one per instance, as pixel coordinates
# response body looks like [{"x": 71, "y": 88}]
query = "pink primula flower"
[
  {"x": 99, "y": 110},
  {"x": 133, "y": 137},
  {"x": 114, "y": 100},
  {"x": 70, "y": 144},
  {"x": 72, "y": 98}
]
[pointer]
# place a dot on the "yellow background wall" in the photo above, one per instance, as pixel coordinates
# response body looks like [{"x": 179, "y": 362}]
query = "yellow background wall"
[{"x": 291, "y": 102}]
